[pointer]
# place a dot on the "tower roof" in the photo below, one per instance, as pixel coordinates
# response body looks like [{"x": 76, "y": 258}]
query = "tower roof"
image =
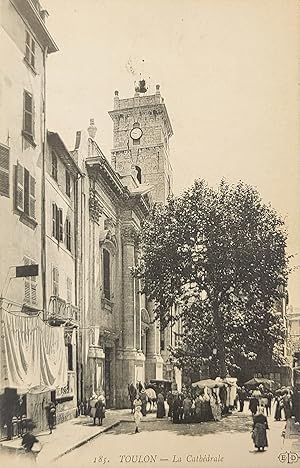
[{"x": 141, "y": 101}]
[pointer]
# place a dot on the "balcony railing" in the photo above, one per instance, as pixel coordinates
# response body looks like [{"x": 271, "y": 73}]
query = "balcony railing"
[{"x": 60, "y": 310}]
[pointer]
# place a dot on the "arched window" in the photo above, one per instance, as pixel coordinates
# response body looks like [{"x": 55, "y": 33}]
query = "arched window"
[{"x": 106, "y": 274}]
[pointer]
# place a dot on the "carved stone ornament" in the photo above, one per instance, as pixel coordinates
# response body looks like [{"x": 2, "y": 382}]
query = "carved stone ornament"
[
  {"x": 109, "y": 224},
  {"x": 129, "y": 234},
  {"x": 95, "y": 206}
]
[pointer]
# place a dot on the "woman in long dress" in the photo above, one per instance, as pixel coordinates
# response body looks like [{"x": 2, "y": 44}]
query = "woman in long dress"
[
  {"x": 287, "y": 405},
  {"x": 215, "y": 407},
  {"x": 92, "y": 405},
  {"x": 137, "y": 412},
  {"x": 253, "y": 405},
  {"x": 160, "y": 406},
  {"x": 100, "y": 409},
  {"x": 144, "y": 399},
  {"x": 259, "y": 434},
  {"x": 278, "y": 407}
]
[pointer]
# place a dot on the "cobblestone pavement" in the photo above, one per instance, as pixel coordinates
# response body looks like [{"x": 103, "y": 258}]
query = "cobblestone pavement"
[{"x": 225, "y": 444}]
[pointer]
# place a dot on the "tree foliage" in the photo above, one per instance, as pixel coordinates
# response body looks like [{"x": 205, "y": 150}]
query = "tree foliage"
[{"x": 220, "y": 255}]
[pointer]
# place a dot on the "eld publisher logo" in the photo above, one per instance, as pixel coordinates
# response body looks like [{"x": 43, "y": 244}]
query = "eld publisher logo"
[{"x": 288, "y": 457}]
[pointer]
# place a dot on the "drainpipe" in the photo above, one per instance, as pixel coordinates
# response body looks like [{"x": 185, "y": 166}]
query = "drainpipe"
[{"x": 43, "y": 196}]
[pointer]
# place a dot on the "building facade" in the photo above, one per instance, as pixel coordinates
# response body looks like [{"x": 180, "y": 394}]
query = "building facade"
[
  {"x": 62, "y": 176},
  {"x": 32, "y": 352},
  {"x": 114, "y": 317}
]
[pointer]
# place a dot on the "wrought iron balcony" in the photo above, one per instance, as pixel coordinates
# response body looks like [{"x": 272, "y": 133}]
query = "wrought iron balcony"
[{"x": 61, "y": 311}]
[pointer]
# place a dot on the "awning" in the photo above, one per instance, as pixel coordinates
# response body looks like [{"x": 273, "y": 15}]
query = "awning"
[{"x": 33, "y": 354}]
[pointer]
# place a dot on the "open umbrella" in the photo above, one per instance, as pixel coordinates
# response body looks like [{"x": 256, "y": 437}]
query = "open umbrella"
[
  {"x": 258, "y": 381},
  {"x": 210, "y": 383}
]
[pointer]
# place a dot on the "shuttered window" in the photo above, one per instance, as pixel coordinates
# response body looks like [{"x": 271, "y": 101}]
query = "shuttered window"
[
  {"x": 68, "y": 235},
  {"x": 54, "y": 165},
  {"x": 54, "y": 218},
  {"x": 31, "y": 197},
  {"x": 4, "y": 170},
  {"x": 25, "y": 191},
  {"x": 55, "y": 281},
  {"x": 68, "y": 183},
  {"x": 106, "y": 274},
  {"x": 61, "y": 225},
  {"x": 28, "y": 113},
  {"x": 69, "y": 290},
  {"x": 30, "y": 50},
  {"x": 19, "y": 193},
  {"x": 30, "y": 285},
  {"x": 57, "y": 223}
]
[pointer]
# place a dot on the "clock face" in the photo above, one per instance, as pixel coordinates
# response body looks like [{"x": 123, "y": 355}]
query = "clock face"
[{"x": 136, "y": 133}]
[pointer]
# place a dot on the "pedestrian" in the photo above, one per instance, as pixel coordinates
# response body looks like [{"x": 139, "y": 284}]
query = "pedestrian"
[
  {"x": 278, "y": 406},
  {"x": 161, "y": 412},
  {"x": 253, "y": 405},
  {"x": 176, "y": 406},
  {"x": 144, "y": 399},
  {"x": 187, "y": 408},
  {"x": 242, "y": 397},
  {"x": 170, "y": 399},
  {"x": 92, "y": 405},
  {"x": 132, "y": 394},
  {"x": 287, "y": 406},
  {"x": 269, "y": 405},
  {"x": 30, "y": 443},
  {"x": 51, "y": 413},
  {"x": 215, "y": 407},
  {"x": 100, "y": 409},
  {"x": 259, "y": 432},
  {"x": 137, "y": 412}
]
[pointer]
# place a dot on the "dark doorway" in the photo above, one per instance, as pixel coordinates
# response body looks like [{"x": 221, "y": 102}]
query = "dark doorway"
[{"x": 107, "y": 378}]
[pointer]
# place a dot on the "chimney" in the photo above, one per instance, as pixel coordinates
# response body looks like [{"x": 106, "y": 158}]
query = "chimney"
[
  {"x": 92, "y": 130},
  {"x": 157, "y": 94},
  {"x": 116, "y": 100}
]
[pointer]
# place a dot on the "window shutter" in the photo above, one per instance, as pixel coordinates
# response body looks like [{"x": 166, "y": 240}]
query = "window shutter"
[
  {"x": 32, "y": 53},
  {"x": 26, "y": 191},
  {"x": 33, "y": 287},
  {"x": 4, "y": 170},
  {"x": 70, "y": 236},
  {"x": 32, "y": 197},
  {"x": 57, "y": 222},
  {"x": 28, "y": 111},
  {"x": 55, "y": 281},
  {"x": 19, "y": 195},
  {"x": 27, "y": 45},
  {"x": 61, "y": 227},
  {"x": 69, "y": 290},
  {"x": 27, "y": 283}
]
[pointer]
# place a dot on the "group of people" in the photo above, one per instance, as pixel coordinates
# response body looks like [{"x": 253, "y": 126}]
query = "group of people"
[
  {"x": 96, "y": 407},
  {"x": 260, "y": 404},
  {"x": 201, "y": 406}
]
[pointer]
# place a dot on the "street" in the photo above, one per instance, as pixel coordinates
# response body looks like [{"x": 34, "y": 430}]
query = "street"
[{"x": 226, "y": 443}]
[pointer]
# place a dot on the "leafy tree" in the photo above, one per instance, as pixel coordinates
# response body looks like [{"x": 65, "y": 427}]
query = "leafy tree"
[{"x": 220, "y": 254}]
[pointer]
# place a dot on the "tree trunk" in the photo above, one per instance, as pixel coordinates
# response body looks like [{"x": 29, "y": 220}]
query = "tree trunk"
[{"x": 218, "y": 320}]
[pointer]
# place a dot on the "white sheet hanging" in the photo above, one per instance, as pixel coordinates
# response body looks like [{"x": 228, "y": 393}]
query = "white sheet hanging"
[{"x": 33, "y": 354}]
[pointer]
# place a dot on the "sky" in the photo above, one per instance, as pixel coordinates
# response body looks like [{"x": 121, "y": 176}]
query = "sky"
[{"x": 229, "y": 75}]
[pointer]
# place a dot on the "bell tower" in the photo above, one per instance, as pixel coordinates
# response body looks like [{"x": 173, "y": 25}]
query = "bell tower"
[{"x": 141, "y": 133}]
